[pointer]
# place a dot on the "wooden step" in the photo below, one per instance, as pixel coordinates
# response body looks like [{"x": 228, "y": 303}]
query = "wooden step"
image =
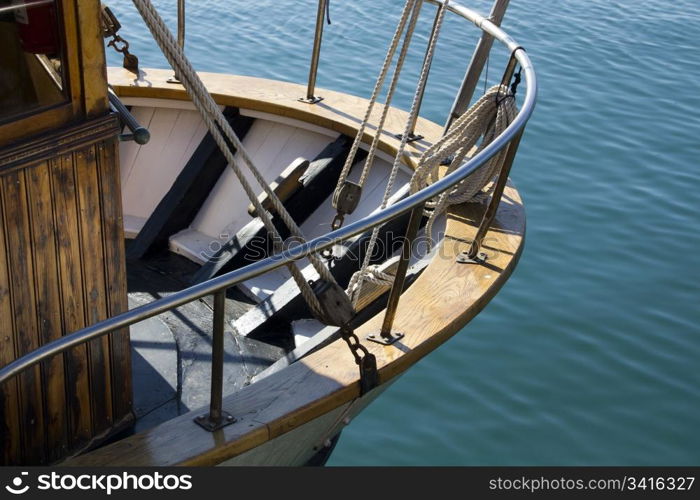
[
  {"x": 271, "y": 146},
  {"x": 316, "y": 185},
  {"x": 180, "y": 205}
]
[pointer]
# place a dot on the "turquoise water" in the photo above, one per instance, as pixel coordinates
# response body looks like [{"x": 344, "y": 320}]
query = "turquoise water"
[{"x": 591, "y": 353}]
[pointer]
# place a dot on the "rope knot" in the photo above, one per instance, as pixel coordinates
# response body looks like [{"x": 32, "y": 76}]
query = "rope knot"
[{"x": 516, "y": 82}]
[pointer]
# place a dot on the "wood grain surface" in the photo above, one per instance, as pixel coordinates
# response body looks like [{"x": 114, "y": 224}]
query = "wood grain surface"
[{"x": 436, "y": 306}]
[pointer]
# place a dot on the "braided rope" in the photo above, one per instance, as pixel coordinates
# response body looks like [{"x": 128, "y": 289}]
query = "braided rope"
[
  {"x": 371, "y": 274},
  {"x": 487, "y": 118},
  {"x": 409, "y": 7},
  {"x": 369, "y": 161},
  {"x": 224, "y": 135},
  {"x": 359, "y": 276}
]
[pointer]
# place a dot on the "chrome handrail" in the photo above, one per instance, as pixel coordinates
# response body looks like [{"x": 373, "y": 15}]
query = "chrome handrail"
[
  {"x": 27, "y": 5},
  {"x": 221, "y": 283}
]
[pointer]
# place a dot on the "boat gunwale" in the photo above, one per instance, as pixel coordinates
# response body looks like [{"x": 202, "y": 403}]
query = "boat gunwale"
[
  {"x": 152, "y": 446},
  {"x": 511, "y": 220},
  {"x": 317, "y": 244}
]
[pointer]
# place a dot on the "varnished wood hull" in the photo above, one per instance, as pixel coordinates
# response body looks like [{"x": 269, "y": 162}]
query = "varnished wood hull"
[
  {"x": 284, "y": 417},
  {"x": 62, "y": 268}
]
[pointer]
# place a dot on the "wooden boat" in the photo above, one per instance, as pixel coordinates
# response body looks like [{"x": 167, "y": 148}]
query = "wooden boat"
[{"x": 148, "y": 319}]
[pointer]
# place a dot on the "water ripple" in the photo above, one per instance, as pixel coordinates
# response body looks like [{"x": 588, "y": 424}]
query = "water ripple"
[{"x": 589, "y": 354}]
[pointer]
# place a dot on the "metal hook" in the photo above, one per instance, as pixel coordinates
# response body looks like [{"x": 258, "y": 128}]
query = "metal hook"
[
  {"x": 508, "y": 75},
  {"x": 337, "y": 221}
]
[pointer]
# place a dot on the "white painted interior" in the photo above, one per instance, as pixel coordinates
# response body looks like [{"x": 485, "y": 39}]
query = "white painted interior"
[
  {"x": 132, "y": 225},
  {"x": 272, "y": 146},
  {"x": 148, "y": 171},
  {"x": 292, "y": 122},
  {"x": 159, "y": 103},
  {"x": 319, "y": 130},
  {"x": 194, "y": 245},
  {"x": 273, "y": 142},
  {"x": 304, "y": 329}
]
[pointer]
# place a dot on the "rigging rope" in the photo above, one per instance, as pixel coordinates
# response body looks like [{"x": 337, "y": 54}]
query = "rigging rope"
[
  {"x": 355, "y": 286},
  {"x": 226, "y": 138},
  {"x": 390, "y": 93},
  {"x": 411, "y": 7},
  {"x": 487, "y": 118}
]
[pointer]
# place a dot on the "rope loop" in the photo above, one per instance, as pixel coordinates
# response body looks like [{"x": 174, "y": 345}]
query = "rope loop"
[{"x": 485, "y": 120}]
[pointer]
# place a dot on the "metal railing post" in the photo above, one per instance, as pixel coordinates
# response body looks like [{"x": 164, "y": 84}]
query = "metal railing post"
[
  {"x": 181, "y": 23},
  {"x": 386, "y": 335},
  {"x": 476, "y": 65},
  {"x": 217, "y": 418},
  {"x": 315, "y": 54},
  {"x": 180, "y": 34},
  {"x": 472, "y": 254}
]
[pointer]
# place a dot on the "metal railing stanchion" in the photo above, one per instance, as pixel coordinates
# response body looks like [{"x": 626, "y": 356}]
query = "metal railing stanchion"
[
  {"x": 473, "y": 255},
  {"x": 386, "y": 335},
  {"x": 217, "y": 418},
  {"x": 180, "y": 34},
  {"x": 181, "y": 23},
  {"x": 316, "y": 54}
]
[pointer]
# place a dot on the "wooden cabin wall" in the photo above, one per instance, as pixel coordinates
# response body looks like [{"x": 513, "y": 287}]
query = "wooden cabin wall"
[{"x": 62, "y": 268}]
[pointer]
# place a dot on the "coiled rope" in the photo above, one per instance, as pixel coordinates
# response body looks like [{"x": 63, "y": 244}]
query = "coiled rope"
[
  {"x": 368, "y": 274},
  {"x": 484, "y": 120}
]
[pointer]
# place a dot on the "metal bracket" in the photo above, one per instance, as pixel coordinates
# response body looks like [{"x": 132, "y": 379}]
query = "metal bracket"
[
  {"x": 383, "y": 339},
  {"x": 369, "y": 377},
  {"x": 463, "y": 258},
  {"x": 310, "y": 100},
  {"x": 212, "y": 424},
  {"x": 447, "y": 160},
  {"x": 411, "y": 137},
  {"x": 140, "y": 135},
  {"x": 173, "y": 79}
]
